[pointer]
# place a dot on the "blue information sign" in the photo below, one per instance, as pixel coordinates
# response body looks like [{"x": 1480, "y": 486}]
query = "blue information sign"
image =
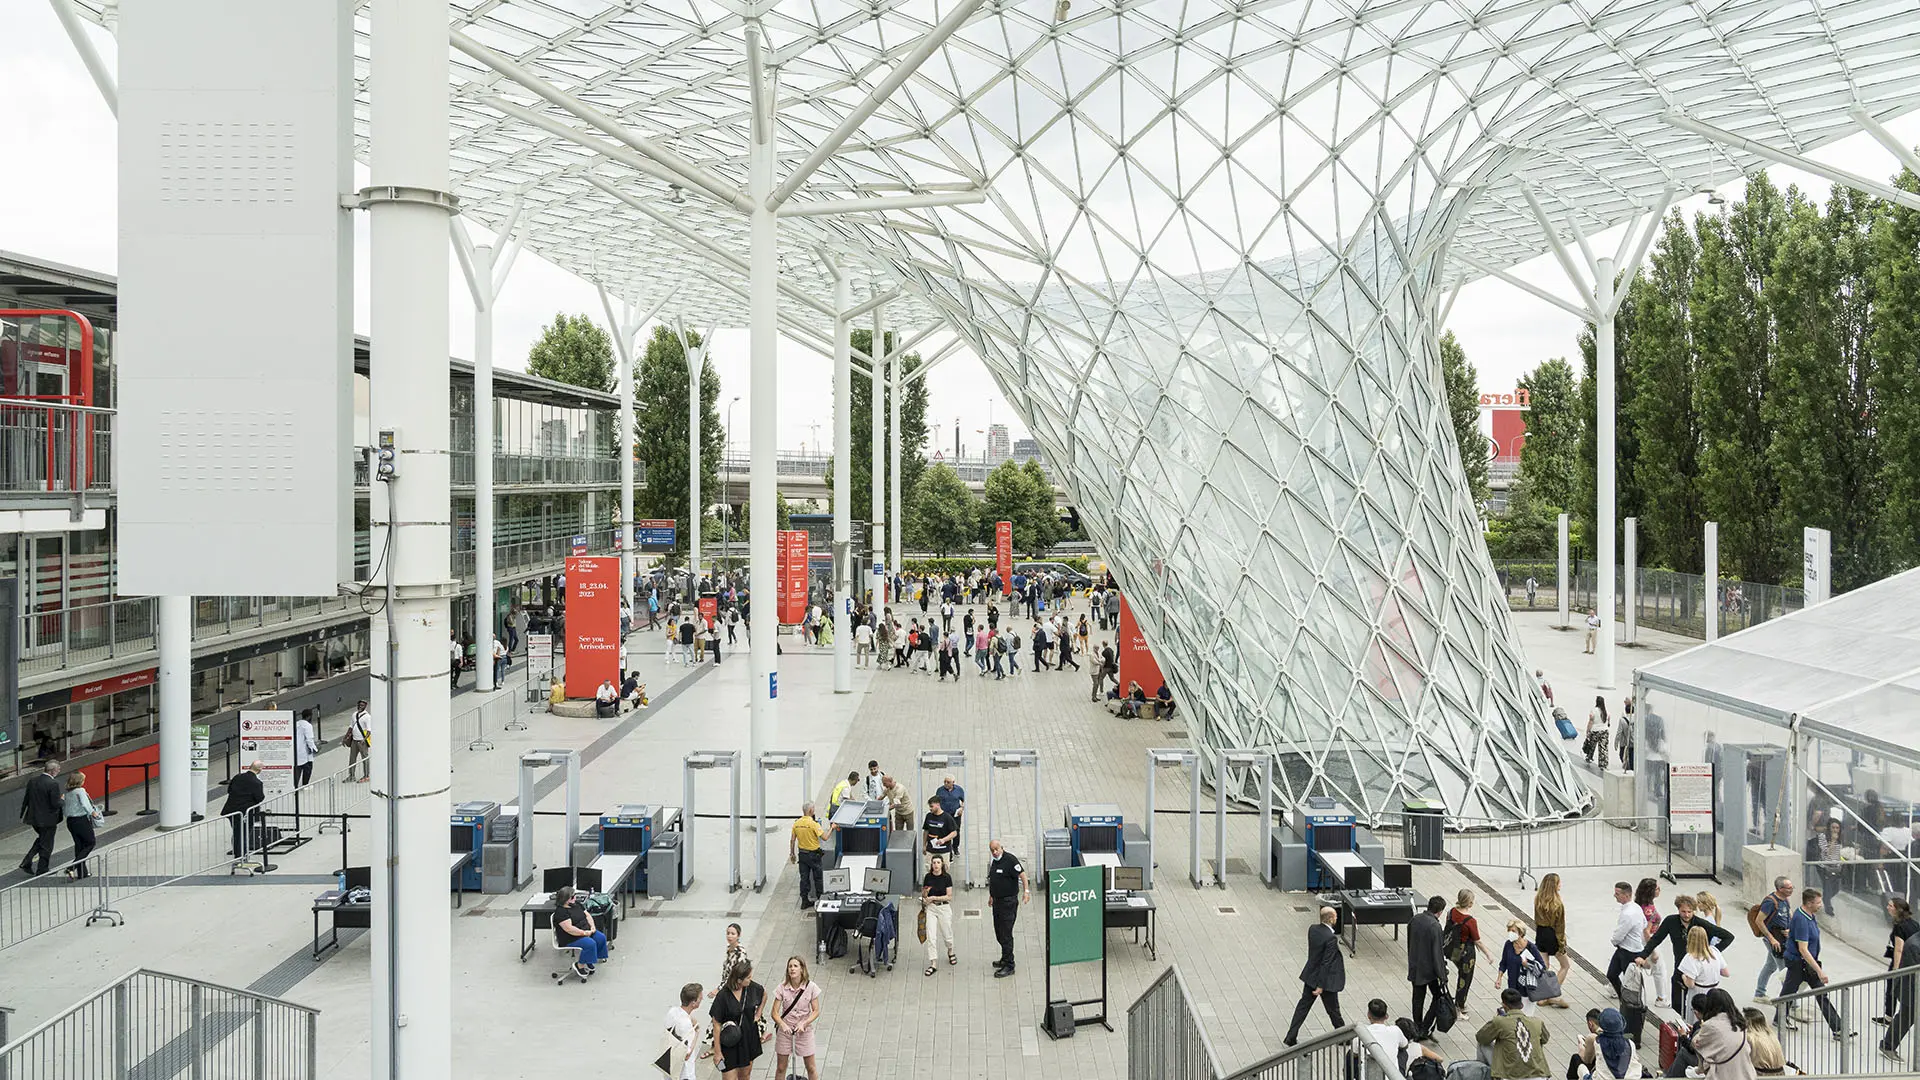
[{"x": 655, "y": 534}]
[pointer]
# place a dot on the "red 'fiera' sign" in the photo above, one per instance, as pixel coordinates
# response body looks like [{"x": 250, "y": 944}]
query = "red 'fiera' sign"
[
  {"x": 793, "y": 575},
  {"x": 1003, "y": 554},
  {"x": 593, "y": 623},
  {"x": 1137, "y": 664}
]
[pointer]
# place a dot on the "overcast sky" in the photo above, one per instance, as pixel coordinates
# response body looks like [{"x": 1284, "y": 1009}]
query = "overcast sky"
[{"x": 57, "y": 196}]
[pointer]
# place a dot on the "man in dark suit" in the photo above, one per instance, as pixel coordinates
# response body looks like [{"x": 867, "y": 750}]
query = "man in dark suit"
[
  {"x": 244, "y": 792},
  {"x": 1426, "y": 964},
  {"x": 1323, "y": 977},
  {"x": 41, "y": 810}
]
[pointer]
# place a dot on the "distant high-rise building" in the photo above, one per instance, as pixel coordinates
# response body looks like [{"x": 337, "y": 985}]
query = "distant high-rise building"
[
  {"x": 998, "y": 449},
  {"x": 1025, "y": 450}
]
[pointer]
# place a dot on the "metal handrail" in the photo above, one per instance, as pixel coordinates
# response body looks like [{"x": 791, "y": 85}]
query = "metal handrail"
[
  {"x": 204, "y": 984},
  {"x": 1337, "y": 1039}
]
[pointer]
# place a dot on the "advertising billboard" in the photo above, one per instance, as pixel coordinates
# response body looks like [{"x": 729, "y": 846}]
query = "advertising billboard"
[
  {"x": 593, "y": 623},
  {"x": 1137, "y": 664},
  {"x": 1003, "y": 554}
]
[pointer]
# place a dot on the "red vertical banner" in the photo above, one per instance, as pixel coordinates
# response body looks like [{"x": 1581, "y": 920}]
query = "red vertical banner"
[
  {"x": 1137, "y": 664},
  {"x": 793, "y": 575},
  {"x": 1003, "y": 554},
  {"x": 593, "y": 623},
  {"x": 710, "y": 609}
]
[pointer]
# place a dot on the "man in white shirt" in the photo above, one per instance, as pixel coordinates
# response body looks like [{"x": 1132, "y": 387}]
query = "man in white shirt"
[
  {"x": 1629, "y": 934},
  {"x": 685, "y": 1032},
  {"x": 1392, "y": 1042},
  {"x": 305, "y": 747},
  {"x": 1593, "y": 629},
  {"x": 862, "y": 644},
  {"x": 500, "y": 662},
  {"x": 946, "y": 616}
]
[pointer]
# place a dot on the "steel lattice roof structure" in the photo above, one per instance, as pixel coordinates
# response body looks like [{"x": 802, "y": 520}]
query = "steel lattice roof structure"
[{"x": 1207, "y": 270}]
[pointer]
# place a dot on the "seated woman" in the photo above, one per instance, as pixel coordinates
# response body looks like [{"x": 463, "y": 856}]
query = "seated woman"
[
  {"x": 1135, "y": 700},
  {"x": 557, "y": 692},
  {"x": 606, "y": 700},
  {"x": 572, "y": 925}
]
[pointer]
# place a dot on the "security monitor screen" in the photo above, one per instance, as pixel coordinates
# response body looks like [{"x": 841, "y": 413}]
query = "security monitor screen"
[
  {"x": 875, "y": 880},
  {"x": 834, "y": 881},
  {"x": 1129, "y": 878},
  {"x": 860, "y": 841},
  {"x": 1398, "y": 875},
  {"x": 1357, "y": 878}
]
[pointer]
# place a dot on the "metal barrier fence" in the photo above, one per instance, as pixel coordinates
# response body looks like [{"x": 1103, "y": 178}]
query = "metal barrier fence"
[
  {"x": 151, "y": 1024},
  {"x": 1807, "y": 1020},
  {"x": 112, "y": 875},
  {"x": 1164, "y": 1038},
  {"x": 1534, "y": 850},
  {"x": 89, "y": 633},
  {"x": 499, "y": 711},
  {"x": 52, "y": 446},
  {"x": 1663, "y": 599}
]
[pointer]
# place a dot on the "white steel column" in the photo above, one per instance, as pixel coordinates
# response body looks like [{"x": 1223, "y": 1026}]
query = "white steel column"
[
  {"x": 177, "y": 777},
  {"x": 877, "y": 524},
  {"x": 1630, "y": 581},
  {"x": 763, "y": 403},
  {"x": 410, "y": 964},
  {"x": 484, "y": 615},
  {"x": 1710, "y": 577},
  {"x": 894, "y": 393},
  {"x": 842, "y": 486},
  {"x": 696, "y": 362},
  {"x": 1565, "y": 578},
  {"x": 1603, "y": 465},
  {"x": 623, "y": 335}
]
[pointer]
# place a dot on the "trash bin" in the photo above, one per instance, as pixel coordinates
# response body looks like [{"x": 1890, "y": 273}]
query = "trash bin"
[
  {"x": 663, "y": 867},
  {"x": 1423, "y": 828}
]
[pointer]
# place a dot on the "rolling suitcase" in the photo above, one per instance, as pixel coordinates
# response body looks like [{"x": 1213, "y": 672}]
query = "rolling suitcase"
[
  {"x": 1566, "y": 727},
  {"x": 1671, "y": 1033}
]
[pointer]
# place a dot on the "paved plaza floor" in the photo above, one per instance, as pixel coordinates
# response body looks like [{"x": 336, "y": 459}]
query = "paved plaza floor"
[{"x": 1238, "y": 943}]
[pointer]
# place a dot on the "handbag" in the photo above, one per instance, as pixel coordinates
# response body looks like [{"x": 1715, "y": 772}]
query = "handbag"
[
  {"x": 922, "y": 924},
  {"x": 1545, "y": 987}
]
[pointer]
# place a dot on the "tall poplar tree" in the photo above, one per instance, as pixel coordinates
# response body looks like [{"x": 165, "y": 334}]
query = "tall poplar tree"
[
  {"x": 1665, "y": 417},
  {"x": 661, "y": 436},
  {"x": 1463, "y": 408},
  {"x": 1895, "y": 413},
  {"x": 1550, "y": 464},
  {"x": 913, "y": 448},
  {"x": 1732, "y": 335}
]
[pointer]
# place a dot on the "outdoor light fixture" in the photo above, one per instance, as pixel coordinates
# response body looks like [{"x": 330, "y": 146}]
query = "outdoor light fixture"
[
  {"x": 677, "y": 195},
  {"x": 1060, "y": 10}
]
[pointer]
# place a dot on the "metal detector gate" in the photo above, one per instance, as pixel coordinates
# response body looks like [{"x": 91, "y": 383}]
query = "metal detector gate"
[
  {"x": 1015, "y": 759},
  {"x": 1241, "y": 759},
  {"x": 1177, "y": 758},
  {"x": 699, "y": 761},
  {"x": 946, "y": 761},
  {"x": 775, "y": 761},
  {"x": 531, "y": 762}
]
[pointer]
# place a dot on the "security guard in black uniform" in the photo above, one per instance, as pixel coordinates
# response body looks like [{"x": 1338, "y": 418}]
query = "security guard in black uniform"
[{"x": 1005, "y": 877}]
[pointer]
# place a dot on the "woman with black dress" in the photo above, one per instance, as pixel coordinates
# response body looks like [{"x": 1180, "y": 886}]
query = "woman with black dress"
[{"x": 738, "y": 1013}]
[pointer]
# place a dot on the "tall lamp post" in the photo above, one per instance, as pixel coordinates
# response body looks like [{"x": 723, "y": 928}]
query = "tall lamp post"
[{"x": 726, "y": 495}]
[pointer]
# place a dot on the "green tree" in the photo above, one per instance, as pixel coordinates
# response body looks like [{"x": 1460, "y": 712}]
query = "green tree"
[
  {"x": 1732, "y": 337},
  {"x": 574, "y": 351},
  {"x": 1857, "y": 556},
  {"x": 1463, "y": 407},
  {"x": 743, "y": 520},
  {"x": 1023, "y": 496},
  {"x": 913, "y": 425},
  {"x": 1549, "y": 466},
  {"x": 1665, "y": 418},
  {"x": 944, "y": 515},
  {"x": 1808, "y": 407},
  {"x": 662, "y": 437},
  {"x": 1895, "y": 381}
]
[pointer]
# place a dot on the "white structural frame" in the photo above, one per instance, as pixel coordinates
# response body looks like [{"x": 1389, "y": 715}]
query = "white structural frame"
[{"x": 1188, "y": 759}]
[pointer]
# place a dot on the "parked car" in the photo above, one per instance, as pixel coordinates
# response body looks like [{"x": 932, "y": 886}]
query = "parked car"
[{"x": 1072, "y": 577}]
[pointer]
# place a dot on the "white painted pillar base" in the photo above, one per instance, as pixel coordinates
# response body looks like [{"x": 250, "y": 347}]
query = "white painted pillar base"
[
  {"x": 1630, "y": 585},
  {"x": 177, "y": 776},
  {"x": 763, "y": 410},
  {"x": 484, "y": 615},
  {"x": 877, "y": 530},
  {"x": 1566, "y": 579},
  {"x": 1711, "y": 580}
]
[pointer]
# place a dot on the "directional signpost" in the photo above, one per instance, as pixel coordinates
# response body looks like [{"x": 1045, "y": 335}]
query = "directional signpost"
[{"x": 1076, "y": 934}]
